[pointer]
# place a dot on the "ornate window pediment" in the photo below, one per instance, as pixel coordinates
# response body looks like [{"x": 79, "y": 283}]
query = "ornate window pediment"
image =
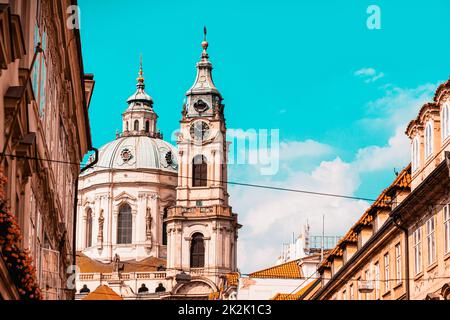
[
  {"x": 18, "y": 45},
  {"x": 12, "y": 43},
  {"x": 125, "y": 198}
]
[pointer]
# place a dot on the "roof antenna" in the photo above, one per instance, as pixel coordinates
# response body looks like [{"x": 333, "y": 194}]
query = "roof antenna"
[{"x": 396, "y": 172}]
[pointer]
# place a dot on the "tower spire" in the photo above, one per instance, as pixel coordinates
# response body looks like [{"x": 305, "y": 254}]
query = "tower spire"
[
  {"x": 140, "y": 78},
  {"x": 205, "y": 45}
]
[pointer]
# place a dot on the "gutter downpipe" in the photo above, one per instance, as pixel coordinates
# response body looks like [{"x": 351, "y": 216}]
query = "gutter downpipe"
[
  {"x": 75, "y": 209},
  {"x": 396, "y": 220}
]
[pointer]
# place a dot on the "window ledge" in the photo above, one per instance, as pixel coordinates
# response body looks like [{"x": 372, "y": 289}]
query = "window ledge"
[
  {"x": 418, "y": 276},
  {"x": 398, "y": 285},
  {"x": 447, "y": 256},
  {"x": 386, "y": 293},
  {"x": 432, "y": 266}
]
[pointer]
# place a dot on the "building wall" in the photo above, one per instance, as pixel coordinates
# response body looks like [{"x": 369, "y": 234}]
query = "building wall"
[
  {"x": 41, "y": 193},
  {"x": 431, "y": 273},
  {"x": 266, "y": 289}
]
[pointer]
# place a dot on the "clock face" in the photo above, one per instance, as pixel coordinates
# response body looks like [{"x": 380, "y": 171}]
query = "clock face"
[
  {"x": 200, "y": 131},
  {"x": 168, "y": 159},
  {"x": 200, "y": 106}
]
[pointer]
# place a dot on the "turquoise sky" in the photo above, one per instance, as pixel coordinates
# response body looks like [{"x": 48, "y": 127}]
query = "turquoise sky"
[{"x": 287, "y": 65}]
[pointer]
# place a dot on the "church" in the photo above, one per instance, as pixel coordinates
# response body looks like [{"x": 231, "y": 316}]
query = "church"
[{"x": 153, "y": 219}]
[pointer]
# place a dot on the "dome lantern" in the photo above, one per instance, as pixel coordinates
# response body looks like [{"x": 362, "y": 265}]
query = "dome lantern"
[{"x": 140, "y": 118}]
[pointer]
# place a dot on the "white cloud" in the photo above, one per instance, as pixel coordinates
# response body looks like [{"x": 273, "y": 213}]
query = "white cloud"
[
  {"x": 394, "y": 155},
  {"x": 398, "y": 105},
  {"x": 291, "y": 150},
  {"x": 369, "y": 74}
]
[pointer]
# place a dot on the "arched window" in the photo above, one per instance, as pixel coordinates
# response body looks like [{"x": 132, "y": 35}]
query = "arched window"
[
  {"x": 415, "y": 162},
  {"x": 428, "y": 139},
  {"x": 445, "y": 121},
  {"x": 126, "y": 126},
  {"x": 199, "y": 171},
  {"x": 147, "y": 126},
  {"x": 136, "y": 125},
  {"x": 197, "y": 251},
  {"x": 89, "y": 228},
  {"x": 124, "y": 225},
  {"x": 164, "y": 228}
]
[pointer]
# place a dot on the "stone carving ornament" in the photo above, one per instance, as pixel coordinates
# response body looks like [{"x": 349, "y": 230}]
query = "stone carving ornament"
[
  {"x": 101, "y": 220},
  {"x": 148, "y": 226}
]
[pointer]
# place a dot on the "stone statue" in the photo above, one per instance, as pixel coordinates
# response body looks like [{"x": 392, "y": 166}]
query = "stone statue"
[
  {"x": 148, "y": 226},
  {"x": 101, "y": 220},
  {"x": 116, "y": 263}
]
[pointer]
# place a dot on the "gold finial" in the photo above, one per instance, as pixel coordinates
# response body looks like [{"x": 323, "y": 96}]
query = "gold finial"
[
  {"x": 141, "y": 72},
  {"x": 204, "y": 43}
]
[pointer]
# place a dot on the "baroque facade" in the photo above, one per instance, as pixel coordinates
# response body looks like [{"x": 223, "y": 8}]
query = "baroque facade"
[
  {"x": 154, "y": 221},
  {"x": 44, "y": 125},
  {"x": 400, "y": 247}
]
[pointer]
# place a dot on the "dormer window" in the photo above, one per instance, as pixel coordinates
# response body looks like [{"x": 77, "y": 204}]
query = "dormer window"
[
  {"x": 415, "y": 162},
  {"x": 429, "y": 139},
  {"x": 445, "y": 121}
]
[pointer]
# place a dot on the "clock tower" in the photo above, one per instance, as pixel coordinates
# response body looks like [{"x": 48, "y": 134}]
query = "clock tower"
[{"x": 201, "y": 227}]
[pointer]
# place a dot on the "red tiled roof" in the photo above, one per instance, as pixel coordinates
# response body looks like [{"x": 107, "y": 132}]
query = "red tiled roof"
[
  {"x": 288, "y": 270},
  {"x": 103, "y": 293}
]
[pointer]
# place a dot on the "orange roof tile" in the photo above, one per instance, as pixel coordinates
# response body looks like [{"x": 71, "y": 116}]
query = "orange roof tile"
[
  {"x": 288, "y": 270},
  {"x": 88, "y": 265},
  {"x": 103, "y": 293},
  {"x": 214, "y": 296},
  {"x": 232, "y": 279},
  {"x": 294, "y": 296}
]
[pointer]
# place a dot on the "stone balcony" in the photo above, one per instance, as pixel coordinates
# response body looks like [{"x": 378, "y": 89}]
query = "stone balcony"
[
  {"x": 215, "y": 210},
  {"x": 123, "y": 276}
]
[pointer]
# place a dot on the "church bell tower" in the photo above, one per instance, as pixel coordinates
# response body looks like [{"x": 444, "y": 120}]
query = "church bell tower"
[{"x": 201, "y": 227}]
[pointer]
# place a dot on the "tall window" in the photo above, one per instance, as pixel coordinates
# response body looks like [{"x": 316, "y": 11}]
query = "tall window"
[
  {"x": 136, "y": 125},
  {"x": 39, "y": 76},
  {"x": 447, "y": 228},
  {"x": 398, "y": 263},
  {"x": 147, "y": 126},
  {"x": 415, "y": 154},
  {"x": 417, "y": 238},
  {"x": 386, "y": 272},
  {"x": 429, "y": 139},
  {"x": 164, "y": 228},
  {"x": 445, "y": 121},
  {"x": 352, "y": 293},
  {"x": 197, "y": 251},
  {"x": 344, "y": 295},
  {"x": 358, "y": 281},
  {"x": 89, "y": 228},
  {"x": 377, "y": 280},
  {"x": 124, "y": 225},
  {"x": 431, "y": 242},
  {"x": 199, "y": 171},
  {"x": 368, "y": 281}
]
